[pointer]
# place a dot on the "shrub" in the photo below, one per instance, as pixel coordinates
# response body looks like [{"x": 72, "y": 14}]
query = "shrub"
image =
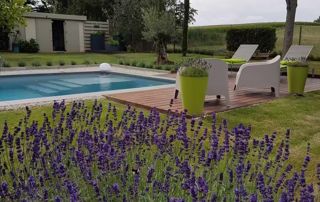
[
  {"x": 142, "y": 64},
  {"x": 61, "y": 63},
  {"x": 157, "y": 67},
  {"x": 86, "y": 62},
  {"x": 149, "y": 66},
  {"x": 73, "y": 62},
  {"x": 6, "y": 64},
  {"x": 264, "y": 36},
  {"x": 21, "y": 64},
  {"x": 134, "y": 63},
  {"x": 137, "y": 155},
  {"x": 121, "y": 62},
  {"x": 36, "y": 64},
  {"x": 49, "y": 63},
  {"x": 127, "y": 63},
  {"x": 29, "y": 46}
]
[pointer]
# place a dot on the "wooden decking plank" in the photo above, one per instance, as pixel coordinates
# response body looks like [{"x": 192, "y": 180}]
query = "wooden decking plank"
[{"x": 161, "y": 98}]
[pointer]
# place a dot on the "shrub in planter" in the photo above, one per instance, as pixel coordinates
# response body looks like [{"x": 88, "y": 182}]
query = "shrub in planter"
[
  {"x": 297, "y": 73},
  {"x": 193, "y": 76},
  {"x": 21, "y": 64},
  {"x": 29, "y": 46}
]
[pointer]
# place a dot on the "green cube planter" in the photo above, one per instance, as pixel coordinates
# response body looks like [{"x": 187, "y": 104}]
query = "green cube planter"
[
  {"x": 297, "y": 77},
  {"x": 193, "y": 92}
]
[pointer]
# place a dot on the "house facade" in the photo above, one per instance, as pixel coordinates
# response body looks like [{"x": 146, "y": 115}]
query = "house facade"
[{"x": 60, "y": 33}]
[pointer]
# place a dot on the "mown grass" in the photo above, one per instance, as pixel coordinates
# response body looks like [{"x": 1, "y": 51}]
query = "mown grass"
[
  {"x": 299, "y": 114},
  {"x": 91, "y": 58}
]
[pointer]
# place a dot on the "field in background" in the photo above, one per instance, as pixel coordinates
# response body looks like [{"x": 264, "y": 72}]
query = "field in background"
[{"x": 213, "y": 37}]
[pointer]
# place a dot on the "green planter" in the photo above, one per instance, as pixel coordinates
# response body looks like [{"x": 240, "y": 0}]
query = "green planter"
[
  {"x": 297, "y": 77},
  {"x": 193, "y": 92}
]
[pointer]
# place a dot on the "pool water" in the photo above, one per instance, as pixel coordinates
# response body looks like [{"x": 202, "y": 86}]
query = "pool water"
[{"x": 37, "y": 86}]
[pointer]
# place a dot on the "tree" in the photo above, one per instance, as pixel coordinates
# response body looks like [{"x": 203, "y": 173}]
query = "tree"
[
  {"x": 289, "y": 27},
  {"x": 12, "y": 12},
  {"x": 317, "y": 20},
  {"x": 185, "y": 27},
  {"x": 160, "y": 28}
]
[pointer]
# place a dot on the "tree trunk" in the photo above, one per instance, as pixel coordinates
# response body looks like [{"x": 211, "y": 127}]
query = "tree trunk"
[
  {"x": 185, "y": 27},
  {"x": 289, "y": 27}
]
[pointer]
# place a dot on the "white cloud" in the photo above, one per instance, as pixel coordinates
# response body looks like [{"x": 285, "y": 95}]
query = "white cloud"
[{"x": 213, "y": 12}]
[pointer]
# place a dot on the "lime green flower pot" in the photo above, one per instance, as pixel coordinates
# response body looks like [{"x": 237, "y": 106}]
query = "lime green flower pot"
[
  {"x": 193, "y": 92},
  {"x": 297, "y": 77}
]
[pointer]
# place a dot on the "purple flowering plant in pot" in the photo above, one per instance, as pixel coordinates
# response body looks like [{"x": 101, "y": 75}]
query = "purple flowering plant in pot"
[{"x": 93, "y": 152}]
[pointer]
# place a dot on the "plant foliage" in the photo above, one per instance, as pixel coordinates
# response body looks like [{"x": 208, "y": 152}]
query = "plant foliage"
[
  {"x": 264, "y": 36},
  {"x": 83, "y": 152}
]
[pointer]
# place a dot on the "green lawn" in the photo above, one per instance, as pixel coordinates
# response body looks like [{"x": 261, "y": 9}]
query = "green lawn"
[
  {"x": 300, "y": 114},
  {"x": 81, "y": 58}
]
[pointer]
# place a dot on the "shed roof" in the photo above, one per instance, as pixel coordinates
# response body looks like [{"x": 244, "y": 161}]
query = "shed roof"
[{"x": 55, "y": 16}]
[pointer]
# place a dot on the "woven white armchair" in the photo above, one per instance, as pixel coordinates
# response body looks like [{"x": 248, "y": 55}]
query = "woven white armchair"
[
  {"x": 217, "y": 81},
  {"x": 260, "y": 75}
]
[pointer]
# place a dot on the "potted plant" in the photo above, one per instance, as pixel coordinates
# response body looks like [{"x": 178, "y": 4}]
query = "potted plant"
[
  {"x": 97, "y": 41},
  {"x": 112, "y": 45},
  {"x": 297, "y": 73},
  {"x": 193, "y": 77}
]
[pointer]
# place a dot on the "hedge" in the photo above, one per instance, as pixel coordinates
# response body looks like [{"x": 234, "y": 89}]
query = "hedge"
[{"x": 264, "y": 36}]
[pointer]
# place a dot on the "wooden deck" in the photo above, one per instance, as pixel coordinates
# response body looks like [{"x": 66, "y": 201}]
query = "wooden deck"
[{"x": 161, "y": 98}]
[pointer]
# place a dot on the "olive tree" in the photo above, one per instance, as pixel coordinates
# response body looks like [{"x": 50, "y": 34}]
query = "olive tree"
[{"x": 159, "y": 28}]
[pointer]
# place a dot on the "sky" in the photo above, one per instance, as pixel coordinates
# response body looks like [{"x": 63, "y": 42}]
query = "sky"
[{"x": 215, "y": 12}]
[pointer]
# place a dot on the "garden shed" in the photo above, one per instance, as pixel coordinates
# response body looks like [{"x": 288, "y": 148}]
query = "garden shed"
[{"x": 59, "y": 32}]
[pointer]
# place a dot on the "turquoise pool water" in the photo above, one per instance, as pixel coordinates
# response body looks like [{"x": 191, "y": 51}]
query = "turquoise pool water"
[{"x": 37, "y": 86}]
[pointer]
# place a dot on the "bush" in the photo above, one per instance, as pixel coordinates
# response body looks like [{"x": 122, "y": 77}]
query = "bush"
[
  {"x": 127, "y": 63},
  {"x": 61, "y": 63},
  {"x": 264, "y": 36},
  {"x": 29, "y": 46},
  {"x": 142, "y": 64},
  {"x": 67, "y": 154},
  {"x": 134, "y": 63},
  {"x": 21, "y": 64},
  {"x": 6, "y": 64},
  {"x": 49, "y": 63},
  {"x": 149, "y": 66},
  {"x": 36, "y": 64},
  {"x": 86, "y": 62},
  {"x": 73, "y": 62}
]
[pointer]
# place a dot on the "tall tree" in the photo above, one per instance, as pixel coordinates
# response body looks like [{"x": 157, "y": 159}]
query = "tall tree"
[
  {"x": 11, "y": 13},
  {"x": 317, "y": 20},
  {"x": 289, "y": 27},
  {"x": 185, "y": 27}
]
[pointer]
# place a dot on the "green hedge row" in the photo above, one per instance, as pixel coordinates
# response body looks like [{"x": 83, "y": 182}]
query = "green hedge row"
[{"x": 264, "y": 36}]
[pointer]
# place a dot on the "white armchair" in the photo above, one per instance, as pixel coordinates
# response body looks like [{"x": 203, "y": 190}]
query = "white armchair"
[
  {"x": 260, "y": 75},
  {"x": 217, "y": 82}
]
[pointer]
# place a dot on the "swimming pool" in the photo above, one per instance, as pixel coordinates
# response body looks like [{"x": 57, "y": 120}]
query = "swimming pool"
[{"x": 51, "y": 85}]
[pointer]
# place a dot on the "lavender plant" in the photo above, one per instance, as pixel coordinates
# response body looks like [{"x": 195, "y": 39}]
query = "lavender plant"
[
  {"x": 96, "y": 153},
  {"x": 194, "y": 67}
]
